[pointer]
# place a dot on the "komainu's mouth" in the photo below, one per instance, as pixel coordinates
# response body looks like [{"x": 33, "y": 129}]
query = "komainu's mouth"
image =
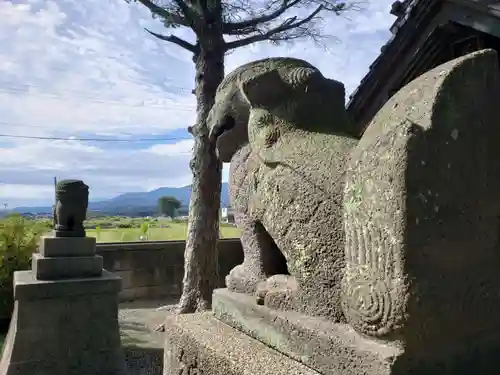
[{"x": 226, "y": 124}]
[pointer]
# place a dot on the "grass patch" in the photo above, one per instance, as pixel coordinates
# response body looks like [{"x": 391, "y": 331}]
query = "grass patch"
[
  {"x": 174, "y": 232},
  {"x": 126, "y": 229}
]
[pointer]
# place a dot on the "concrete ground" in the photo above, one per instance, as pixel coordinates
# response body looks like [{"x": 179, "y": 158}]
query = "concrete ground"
[{"x": 143, "y": 346}]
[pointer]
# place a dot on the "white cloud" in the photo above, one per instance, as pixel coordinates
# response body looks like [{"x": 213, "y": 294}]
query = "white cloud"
[
  {"x": 172, "y": 150},
  {"x": 22, "y": 192},
  {"x": 85, "y": 66},
  {"x": 354, "y": 41},
  {"x": 87, "y": 69}
]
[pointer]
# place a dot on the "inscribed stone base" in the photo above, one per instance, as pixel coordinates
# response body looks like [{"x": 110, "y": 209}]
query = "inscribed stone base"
[
  {"x": 65, "y": 327},
  {"x": 336, "y": 349},
  {"x": 200, "y": 344},
  {"x": 57, "y": 268}
]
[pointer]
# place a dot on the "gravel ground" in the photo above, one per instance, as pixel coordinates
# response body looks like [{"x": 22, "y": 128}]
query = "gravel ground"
[{"x": 143, "y": 346}]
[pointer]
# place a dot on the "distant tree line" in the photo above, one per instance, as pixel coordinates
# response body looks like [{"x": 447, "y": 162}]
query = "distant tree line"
[
  {"x": 168, "y": 206},
  {"x": 138, "y": 211}
]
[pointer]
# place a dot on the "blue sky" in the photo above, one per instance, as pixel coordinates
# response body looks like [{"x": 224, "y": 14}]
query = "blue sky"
[{"x": 87, "y": 69}]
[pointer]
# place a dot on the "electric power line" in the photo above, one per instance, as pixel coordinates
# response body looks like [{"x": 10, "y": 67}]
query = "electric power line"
[
  {"x": 18, "y": 91},
  {"x": 123, "y": 134},
  {"x": 42, "y": 127},
  {"x": 95, "y": 139}
]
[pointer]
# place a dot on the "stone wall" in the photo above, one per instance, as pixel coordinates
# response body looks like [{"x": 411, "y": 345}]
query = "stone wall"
[{"x": 155, "y": 269}]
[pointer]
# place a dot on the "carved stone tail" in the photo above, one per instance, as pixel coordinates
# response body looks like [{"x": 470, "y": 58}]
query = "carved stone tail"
[{"x": 373, "y": 284}]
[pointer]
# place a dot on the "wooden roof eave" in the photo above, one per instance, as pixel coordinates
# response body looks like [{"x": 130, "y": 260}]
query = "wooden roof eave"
[
  {"x": 484, "y": 18},
  {"x": 409, "y": 42},
  {"x": 393, "y": 53},
  {"x": 403, "y": 33}
]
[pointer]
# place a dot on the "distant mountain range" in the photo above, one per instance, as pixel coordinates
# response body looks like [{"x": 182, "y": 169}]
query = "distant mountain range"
[{"x": 143, "y": 202}]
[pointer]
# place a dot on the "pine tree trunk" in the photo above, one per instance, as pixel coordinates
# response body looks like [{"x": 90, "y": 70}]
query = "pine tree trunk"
[{"x": 201, "y": 255}]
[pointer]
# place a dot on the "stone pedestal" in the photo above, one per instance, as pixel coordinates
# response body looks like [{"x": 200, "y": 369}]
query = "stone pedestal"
[
  {"x": 200, "y": 344},
  {"x": 337, "y": 349},
  {"x": 66, "y": 257},
  {"x": 331, "y": 349},
  {"x": 65, "y": 319}
]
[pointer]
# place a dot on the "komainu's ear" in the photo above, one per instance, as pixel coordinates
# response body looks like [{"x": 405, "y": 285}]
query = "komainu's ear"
[{"x": 263, "y": 90}]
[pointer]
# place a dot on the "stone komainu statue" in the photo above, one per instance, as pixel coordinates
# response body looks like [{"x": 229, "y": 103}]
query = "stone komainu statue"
[
  {"x": 70, "y": 210},
  {"x": 395, "y": 234},
  {"x": 284, "y": 128}
]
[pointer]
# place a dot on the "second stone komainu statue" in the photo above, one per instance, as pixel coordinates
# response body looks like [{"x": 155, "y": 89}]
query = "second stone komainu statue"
[{"x": 386, "y": 248}]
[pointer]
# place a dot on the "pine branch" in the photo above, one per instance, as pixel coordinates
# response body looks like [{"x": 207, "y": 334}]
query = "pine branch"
[
  {"x": 276, "y": 33},
  {"x": 176, "y": 40},
  {"x": 186, "y": 10},
  {"x": 247, "y": 26},
  {"x": 170, "y": 17}
]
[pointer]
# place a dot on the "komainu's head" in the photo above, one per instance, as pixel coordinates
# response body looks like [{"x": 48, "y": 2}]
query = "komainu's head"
[{"x": 260, "y": 100}]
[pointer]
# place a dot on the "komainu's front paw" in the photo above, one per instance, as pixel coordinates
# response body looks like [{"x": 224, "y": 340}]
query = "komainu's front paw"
[
  {"x": 277, "y": 292},
  {"x": 243, "y": 279}
]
